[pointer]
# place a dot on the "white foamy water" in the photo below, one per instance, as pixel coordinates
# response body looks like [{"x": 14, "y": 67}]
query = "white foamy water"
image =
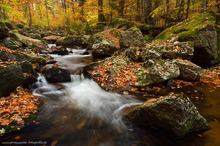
[{"x": 86, "y": 95}]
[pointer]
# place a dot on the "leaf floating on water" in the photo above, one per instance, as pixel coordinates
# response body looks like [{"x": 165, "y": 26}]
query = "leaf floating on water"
[
  {"x": 53, "y": 143},
  {"x": 82, "y": 124},
  {"x": 17, "y": 137}
]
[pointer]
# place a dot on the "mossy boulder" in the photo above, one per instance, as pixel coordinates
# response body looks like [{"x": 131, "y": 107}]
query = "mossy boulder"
[
  {"x": 19, "y": 56},
  {"x": 132, "y": 37},
  {"x": 15, "y": 74},
  {"x": 26, "y": 41},
  {"x": 203, "y": 32},
  {"x": 4, "y": 31},
  {"x": 121, "y": 73},
  {"x": 75, "y": 40},
  {"x": 156, "y": 71},
  {"x": 120, "y": 23},
  {"x": 105, "y": 43},
  {"x": 173, "y": 114}
]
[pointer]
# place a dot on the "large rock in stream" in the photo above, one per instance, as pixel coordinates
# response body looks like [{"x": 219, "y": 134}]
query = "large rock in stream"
[
  {"x": 174, "y": 114},
  {"x": 57, "y": 75},
  {"x": 204, "y": 32},
  {"x": 14, "y": 74},
  {"x": 73, "y": 40}
]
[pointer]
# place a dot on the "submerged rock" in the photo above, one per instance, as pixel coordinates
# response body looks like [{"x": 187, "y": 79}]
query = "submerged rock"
[
  {"x": 174, "y": 114},
  {"x": 57, "y": 75}
]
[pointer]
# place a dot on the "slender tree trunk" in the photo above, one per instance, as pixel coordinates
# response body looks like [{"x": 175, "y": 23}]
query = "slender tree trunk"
[
  {"x": 180, "y": 11},
  {"x": 121, "y": 8},
  {"x": 30, "y": 15},
  {"x": 187, "y": 8},
  {"x": 101, "y": 17},
  {"x": 218, "y": 5},
  {"x": 138, "y": 16},
  {"x": 204, "y": 3},
  {"x": 46, "y": 6},
  {"x": 177, "y": 3}
]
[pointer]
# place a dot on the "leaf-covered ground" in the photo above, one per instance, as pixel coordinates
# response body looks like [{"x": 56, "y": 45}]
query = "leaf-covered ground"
[{"x": 17, "y": 108}]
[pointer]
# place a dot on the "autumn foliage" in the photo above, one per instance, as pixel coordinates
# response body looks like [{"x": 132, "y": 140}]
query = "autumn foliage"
[{"x": 17, "y": 107}]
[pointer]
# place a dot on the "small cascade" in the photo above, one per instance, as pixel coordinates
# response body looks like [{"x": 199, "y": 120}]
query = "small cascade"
[{"x": 86, "y": 95}]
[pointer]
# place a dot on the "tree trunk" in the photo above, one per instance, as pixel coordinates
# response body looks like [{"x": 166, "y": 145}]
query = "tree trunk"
[
  {"x": 101, "y": 17},
  {"x": 204, "y": 3},
  {"x": 46, "y": 5},
  {"x": 180, "y": 11},
  {"x": 138, "y": 16},
  {"x": 218, "y": 5},
  {"x": 121, "y": 8},
  {"x": 30, "y": 15},
  {"x": 187, "y": 8}
]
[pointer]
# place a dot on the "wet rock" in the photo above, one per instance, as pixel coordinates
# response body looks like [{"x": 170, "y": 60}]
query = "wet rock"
[
  {"x": 203, "y": 32},
  {"x": 52, "y": 38},
  {"x": 15, "y": 74},
  {"x": 188, "y": 70},
  {"x": 132, "y": 38},
  {"x": 59, "y": 50},
  {"x": 174, "y": 114},
  {"x": 57, "y": 75}
]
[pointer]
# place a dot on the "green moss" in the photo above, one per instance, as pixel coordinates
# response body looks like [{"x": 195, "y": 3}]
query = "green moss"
[
  {"x": 144, "y": 77},
  {"x": 134, "y": 29},
  {"x": 119, "y": 22},
  {"x": 188, "y": 28}
]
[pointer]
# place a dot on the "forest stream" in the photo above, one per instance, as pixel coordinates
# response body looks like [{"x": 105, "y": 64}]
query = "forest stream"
[{"x": 80, "y": 113}]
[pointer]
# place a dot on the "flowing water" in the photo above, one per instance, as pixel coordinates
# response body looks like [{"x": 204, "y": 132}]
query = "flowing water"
[{"x": 80, "y": 113}]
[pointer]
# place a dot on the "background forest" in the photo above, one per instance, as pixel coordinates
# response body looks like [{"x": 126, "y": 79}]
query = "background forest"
[{"x": 73, "y": 14}]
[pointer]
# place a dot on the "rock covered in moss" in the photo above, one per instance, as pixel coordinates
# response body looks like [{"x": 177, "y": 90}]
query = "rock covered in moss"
[
  {"x": 4, "y": 31},
  {"x": 203, "y": 32},
  {"x": 182, "y": 50},
  {"x": 105, "y": 43},
  {"x": 157, "y": 71},
  {"x": 19, "y": 56},
  {"x": 188, "y": 70},
  {"x": 132, "y": 37},
  {"x": 15, "y": 74},
  {"x": 174, "y": 114},
  {"x": 74, "y": 40},
  {"x": 26, "y": 41}
]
